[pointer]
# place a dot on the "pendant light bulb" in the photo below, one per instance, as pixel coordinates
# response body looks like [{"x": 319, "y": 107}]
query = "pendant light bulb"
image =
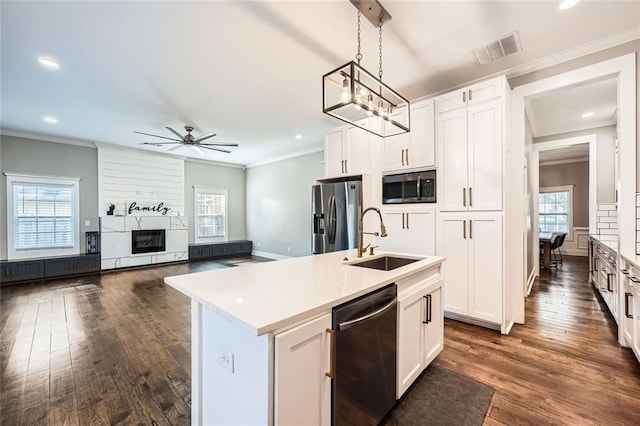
[
  {"x": 358, "y": 100},
  {"x": 346, "y": 96},
  {"x": 370, "y": 105}
]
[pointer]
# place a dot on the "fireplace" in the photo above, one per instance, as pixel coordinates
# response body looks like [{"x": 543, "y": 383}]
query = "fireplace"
[{"x": 147, "y": 241}]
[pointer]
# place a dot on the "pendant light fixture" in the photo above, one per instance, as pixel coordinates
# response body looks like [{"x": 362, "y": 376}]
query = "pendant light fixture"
[{"x": 354, "y": 95}]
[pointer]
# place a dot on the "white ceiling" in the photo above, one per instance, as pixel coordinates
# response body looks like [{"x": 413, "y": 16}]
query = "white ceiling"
[
  {"x": 251, "y": 70},
  {"x": 573, "y": 153}
]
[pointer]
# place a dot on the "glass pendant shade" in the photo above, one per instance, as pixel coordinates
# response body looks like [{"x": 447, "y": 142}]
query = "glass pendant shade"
[{"x": 352, "y": 94}]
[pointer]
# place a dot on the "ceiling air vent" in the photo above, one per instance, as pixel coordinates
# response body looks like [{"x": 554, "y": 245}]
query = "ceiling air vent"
[{"x": 507, "y": 45}]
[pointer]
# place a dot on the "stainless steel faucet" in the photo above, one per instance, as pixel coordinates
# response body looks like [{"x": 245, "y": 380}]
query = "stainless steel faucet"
[{"x": 383, "y": 230}]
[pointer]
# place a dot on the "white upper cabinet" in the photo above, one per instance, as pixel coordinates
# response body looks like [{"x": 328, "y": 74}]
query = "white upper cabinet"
[
  {"x": 471, "y": 95},
  {"x": 346, "y": 152},
  {"x": 411, "y": 230},
  {"x": 470, "y": 146},
  {"x": 415, "y": 149}
]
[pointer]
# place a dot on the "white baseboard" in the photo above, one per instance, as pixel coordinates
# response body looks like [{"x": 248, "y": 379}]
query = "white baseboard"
[
  {"x": 270, "y": 255},
  {"x": 575, "y": 252},
  {"x": 531, "y": 279}
]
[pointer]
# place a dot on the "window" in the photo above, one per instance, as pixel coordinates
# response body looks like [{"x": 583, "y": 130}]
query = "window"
[
  {"x": 42, "y": 216},
  {"x": 210, "y": 214},
  {"x": 555, "y": 209}
]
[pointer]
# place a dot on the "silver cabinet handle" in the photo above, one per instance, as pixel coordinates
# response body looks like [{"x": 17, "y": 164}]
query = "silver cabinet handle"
[
  {"x": 346, "y": 166},
  {"x": 470, "y": 197},
  {"x": 626, "y": 305},
  {"x": 427, "y": 313},
  {"x": 403, "y": 221},
  {"x": 464, "y": 96},
  {"x": 470, "y": 229},
  {"x": 406, "y": 155},
  {"x": 332, "y": 352},
  {"x": 464, "y": 197},
  {"x": 407, "y": 220},
  {"x": 402, "y": 156},
  {"x": 464, "y": 229},
  {"x": 470, "y": 94}
]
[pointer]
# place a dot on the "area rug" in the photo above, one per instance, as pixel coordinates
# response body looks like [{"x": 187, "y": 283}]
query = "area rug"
[{"x": 442, "y": 397}]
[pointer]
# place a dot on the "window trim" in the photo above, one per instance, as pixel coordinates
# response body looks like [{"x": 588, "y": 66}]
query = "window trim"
[
  {"x": 22, "y": 179},
  {"x": 210, "y": 190},
  {"x": 570, "y": 213}
]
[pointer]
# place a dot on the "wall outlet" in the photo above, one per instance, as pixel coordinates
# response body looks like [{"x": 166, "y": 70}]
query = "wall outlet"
[
  {"x": 288, "y": 249},
  {"x": 225, "y": 358},
  {"x": 87, "y": 223},
  {"x": 259, "y": 245}
]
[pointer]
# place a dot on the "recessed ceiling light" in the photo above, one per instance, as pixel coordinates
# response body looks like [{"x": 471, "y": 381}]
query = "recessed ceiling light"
[
  {"x": 587, "y": 114},
  {"x": 298, "y": 136},
  {"x": 568, "y": 4},
  {"x": 50, "y": 119},
  {"x": 48, "y": 63}
]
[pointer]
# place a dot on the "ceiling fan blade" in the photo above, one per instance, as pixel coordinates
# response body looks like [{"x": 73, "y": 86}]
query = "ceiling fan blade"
[
  {"x": 175, "y": 133},
  {"x": 158, "y": 143},
  {"x": 203, "y": 137},
  {"x": 175, "y": 147},
  {"x": 157, "y": 136},
  {"x": 214, "y": 149},
  {"x": 219, "y": 144},
  {"x": 197, "y": 149}
]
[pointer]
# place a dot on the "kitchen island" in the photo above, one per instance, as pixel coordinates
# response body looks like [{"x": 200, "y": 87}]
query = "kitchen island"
[{"x": 260, "y": 333}]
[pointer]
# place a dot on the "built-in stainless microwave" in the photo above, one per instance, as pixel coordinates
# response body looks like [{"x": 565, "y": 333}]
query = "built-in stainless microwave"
[{"x": 414, "y": 187}]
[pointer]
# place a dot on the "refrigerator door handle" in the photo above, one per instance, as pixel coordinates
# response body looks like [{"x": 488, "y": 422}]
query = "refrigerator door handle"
[{"x": 332, "y": 220}]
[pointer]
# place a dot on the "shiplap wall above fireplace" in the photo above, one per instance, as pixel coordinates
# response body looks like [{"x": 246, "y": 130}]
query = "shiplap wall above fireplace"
[{"x": 126, "y": 175}]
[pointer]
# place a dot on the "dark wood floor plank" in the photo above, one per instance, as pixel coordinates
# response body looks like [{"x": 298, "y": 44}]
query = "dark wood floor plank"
[{"x": 115, "y": 349}]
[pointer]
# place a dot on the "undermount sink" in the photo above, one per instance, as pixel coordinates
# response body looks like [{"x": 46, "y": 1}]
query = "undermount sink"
[{"x": 384, "y": 263}]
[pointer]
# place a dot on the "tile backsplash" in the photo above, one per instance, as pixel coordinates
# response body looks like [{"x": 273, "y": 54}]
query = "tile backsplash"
[{"x": 607, "y": 219}]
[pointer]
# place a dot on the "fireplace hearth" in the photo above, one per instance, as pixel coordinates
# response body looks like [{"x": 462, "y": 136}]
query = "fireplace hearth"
[{"x": 148, "y": 241}]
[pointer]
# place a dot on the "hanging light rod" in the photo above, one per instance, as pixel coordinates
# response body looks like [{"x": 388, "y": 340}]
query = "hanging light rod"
[{"x": 372, "y": 10}]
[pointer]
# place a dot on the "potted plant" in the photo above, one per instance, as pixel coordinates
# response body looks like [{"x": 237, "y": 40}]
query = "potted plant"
[{"x": 111, "y": 209}]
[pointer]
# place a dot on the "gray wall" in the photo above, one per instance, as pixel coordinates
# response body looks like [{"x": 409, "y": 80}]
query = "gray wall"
[
  {"x": 217, "y": 176},
  {"x": 279, "y": 204},
  {"x": 623, "y": 49},
  {"x": 605, "y": 161},
  {"x": 30, "y": 156},
  {"x": 576, "y": 174}
]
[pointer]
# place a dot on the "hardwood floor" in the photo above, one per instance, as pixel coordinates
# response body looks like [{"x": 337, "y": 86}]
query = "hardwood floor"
[
  {"x": 563, "y": 366},
  {"x": 115, "y": 349}
]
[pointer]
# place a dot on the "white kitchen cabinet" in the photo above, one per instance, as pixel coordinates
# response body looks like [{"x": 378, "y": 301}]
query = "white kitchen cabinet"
[
  {"x": 471, "y": 95},
  {"x": 470, "y": 149},
  {"x": 415, "y": 149},
  {"x": 636, "y": 319},
  {"x": 302, "y": 389},
  {"x": 420, "y": 331},
  {"x": 346, "y": 152},
  {"x": 628, "y": 312},
  {"x": 472, "y": 245},
  {"x": 410, "y": 230}
]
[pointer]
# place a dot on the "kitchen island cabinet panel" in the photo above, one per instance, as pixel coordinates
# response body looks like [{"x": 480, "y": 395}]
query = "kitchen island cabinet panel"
[{"x": 302, "y": 386}]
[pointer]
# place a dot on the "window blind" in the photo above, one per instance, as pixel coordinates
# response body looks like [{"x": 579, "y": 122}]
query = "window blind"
[
  {"x": 210, "y": 214},
  {"x": 43, "y": 216}
]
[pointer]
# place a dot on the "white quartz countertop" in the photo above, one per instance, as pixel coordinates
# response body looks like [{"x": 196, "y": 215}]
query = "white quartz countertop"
[
  {"x": 610, "y": 241},
  {"x": 269, "y": 296}
]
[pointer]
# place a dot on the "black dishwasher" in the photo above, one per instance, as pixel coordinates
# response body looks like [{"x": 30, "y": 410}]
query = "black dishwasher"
[{"x": 364, "y": 384}]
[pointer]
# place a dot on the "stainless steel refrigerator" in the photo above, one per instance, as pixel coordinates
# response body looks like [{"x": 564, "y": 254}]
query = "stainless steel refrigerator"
[{"x": 336, "y": 209}]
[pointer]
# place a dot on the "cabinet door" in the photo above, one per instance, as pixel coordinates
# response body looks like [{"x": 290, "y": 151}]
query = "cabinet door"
[
  {"x": 485, "y": 267},
  {"x": 434, "y": 329},
  {"x": 485, "y": 156},
  {"x": 421, "y": 232},
  {"x": 21, "y": 270},
  {"x": 452, "y": 100},
  {"x": 451, "y": 241},
  {"x": 421, "y": 151},
  {"x": 394, "y": 151},
  {"x": 357, "y": 156},
  {"x": 485, "y": 90},
  {"x": 333, "y": 157},
  {"x": 627, "y": 311},
  {"x": 636, "y": 322},
  {"x": 410, "y": 352},
  {"x": 452, "y": 146},
  {"x": 396, "y": 230},
  {"x": 302, "y": 389}
]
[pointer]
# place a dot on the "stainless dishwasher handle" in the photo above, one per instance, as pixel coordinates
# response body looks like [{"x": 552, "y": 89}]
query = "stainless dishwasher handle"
[{"x": 352, "y": 323}]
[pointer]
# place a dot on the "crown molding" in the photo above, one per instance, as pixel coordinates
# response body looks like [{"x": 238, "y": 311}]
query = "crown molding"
[
  {"x": 287, "y": 157},
  {"x": 47, "y": 138}
]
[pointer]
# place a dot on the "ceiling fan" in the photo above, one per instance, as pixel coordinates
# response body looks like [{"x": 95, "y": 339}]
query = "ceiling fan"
[{"x": 188, "y": 140}]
